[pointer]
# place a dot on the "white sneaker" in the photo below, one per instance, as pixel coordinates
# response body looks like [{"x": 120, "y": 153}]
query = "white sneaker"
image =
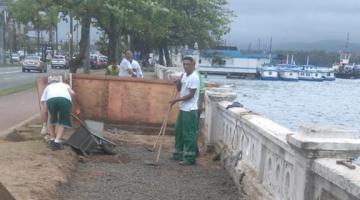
[{"x": 43, "y": 130}]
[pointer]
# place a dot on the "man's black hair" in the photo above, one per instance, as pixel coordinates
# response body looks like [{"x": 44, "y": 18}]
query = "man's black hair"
[{"x": 188, "y": 58}]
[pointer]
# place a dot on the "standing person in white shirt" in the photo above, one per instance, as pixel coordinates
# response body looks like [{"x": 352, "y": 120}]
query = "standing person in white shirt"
[
  {"x": 57, "y": 97},
  {"x": 186, "y": 127},
  {"x": 137, "y": 69},
  {"x": 125, "y": 65}
]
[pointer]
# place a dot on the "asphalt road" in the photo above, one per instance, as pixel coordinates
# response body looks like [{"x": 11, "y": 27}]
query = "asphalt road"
[{"x": 13, "y": 76}]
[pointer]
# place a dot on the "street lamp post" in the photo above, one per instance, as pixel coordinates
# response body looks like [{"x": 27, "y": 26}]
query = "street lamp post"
[
  {"x": 2, "y": 33},
  {"x": 196, "y": 55}
]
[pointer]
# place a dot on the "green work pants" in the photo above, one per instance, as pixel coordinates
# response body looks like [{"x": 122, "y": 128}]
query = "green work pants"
[{"x": 186, "y": 129}]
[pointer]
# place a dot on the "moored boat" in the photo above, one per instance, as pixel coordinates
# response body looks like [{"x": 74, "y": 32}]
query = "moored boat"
[
  {"x": 310, "y": 73},
  {"x": 344, "y": 70},
  {"x": 269, "y": 72},
  {"x": 288, "y": 72}
]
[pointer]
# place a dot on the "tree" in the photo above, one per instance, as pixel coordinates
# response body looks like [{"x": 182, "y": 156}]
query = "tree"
[
  {"x": 41, "y": 14},
  {"x": 190, "y": 21},
  {"x": 152, "y": 24}
]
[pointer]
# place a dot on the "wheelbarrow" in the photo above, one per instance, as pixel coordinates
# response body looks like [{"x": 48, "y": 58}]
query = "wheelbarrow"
[{"x": 84, "y": 141}]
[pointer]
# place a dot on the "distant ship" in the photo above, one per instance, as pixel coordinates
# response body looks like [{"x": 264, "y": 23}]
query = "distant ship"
[{"x": 345, "y": 70}]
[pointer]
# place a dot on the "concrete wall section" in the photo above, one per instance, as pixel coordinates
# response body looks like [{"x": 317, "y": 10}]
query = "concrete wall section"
[
  {"x": 125, "y": 100},
  {"x": 122, "y": 100},
  {"x": 250, "y": 138}
]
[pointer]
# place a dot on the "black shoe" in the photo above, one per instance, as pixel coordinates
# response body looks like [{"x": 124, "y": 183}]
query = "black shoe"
[
  {"x": 51, "y": 144},
  {"x": 57, "y": 146}
]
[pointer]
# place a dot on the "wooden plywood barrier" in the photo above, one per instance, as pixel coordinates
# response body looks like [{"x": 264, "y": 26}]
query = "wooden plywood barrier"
[
  {"x": 4, "y": 193},
  {"x": 122, "y": 100}
]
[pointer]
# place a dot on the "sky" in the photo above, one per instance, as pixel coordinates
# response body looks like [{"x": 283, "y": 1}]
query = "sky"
[
  {"x": 288, "y": 21},
  {"x": 64, "y": 28}
]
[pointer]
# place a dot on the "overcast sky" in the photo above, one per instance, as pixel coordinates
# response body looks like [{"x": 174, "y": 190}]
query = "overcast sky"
[
  {"x": 286, "y": 21},
  {"x": 293, "y": 21}
]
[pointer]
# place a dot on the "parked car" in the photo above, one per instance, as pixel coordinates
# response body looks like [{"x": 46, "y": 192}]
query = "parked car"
[
  {"x": 98, "y": 61},
  {"x": 15, "y": 58},
  {"x": 102, "y": 62},
  {"x": 33, "y": 63},
  {"x": 93, "y": 61},
  {"x": 59, "y": 61}
]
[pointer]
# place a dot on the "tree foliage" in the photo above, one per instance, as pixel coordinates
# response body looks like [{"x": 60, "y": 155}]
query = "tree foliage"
[{"x": 152, "y": 24}]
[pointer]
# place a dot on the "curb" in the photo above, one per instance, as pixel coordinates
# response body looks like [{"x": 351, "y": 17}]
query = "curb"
[{"x": 12, "y": 129}]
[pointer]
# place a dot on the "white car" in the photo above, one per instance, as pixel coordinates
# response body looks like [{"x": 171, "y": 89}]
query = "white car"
[
  {"x": 15, "y": 58},
  {"x": 59, "y": 61}
]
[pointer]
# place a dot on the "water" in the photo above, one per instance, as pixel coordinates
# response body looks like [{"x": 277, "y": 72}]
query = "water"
[{"x": 292, "y": 104}]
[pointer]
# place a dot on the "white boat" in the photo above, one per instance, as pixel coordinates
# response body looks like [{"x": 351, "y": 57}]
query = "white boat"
[
  {"x": 269, "y": 73},
  {"x": 310, "y": 73},
  {"x": 328, "y": 74},
  {"x": 288, "y": 72}
]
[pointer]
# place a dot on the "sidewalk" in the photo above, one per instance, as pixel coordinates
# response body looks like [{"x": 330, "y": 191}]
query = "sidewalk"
[{"x": 17, "y": 107}]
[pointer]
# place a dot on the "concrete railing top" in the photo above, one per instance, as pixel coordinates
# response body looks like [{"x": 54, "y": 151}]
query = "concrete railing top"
[
  {"x": 266, "y": 127},
  {"x": 340, "y": 175},
  {"x": 315, "y": 141}
]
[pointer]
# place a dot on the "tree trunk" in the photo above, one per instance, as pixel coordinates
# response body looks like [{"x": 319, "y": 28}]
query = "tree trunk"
[
  {"x": 71, "y": 40},
  {"x": 167, "y": 56},
  {"x": 113, "y": 39},
  {"x": 14, "y": 39},
  {"x": 161, "y": 56},
  {"x": 51, "y": 38},
  {"x": 85, "y": 35}
]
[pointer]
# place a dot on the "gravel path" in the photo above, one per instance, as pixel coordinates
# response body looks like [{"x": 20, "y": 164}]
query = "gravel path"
[{"x": 126, "y": 177}]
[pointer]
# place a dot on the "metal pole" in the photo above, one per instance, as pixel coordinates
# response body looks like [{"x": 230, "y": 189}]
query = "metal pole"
[
  {"x": 71, "y": 50},
  {"x": 77, "y": 37},
  {"x": 86, "y": 66},
  {"x": 38, "y": 33},
  {"x": 56, "y": 39},
  {"x": 2, "y": 43}
]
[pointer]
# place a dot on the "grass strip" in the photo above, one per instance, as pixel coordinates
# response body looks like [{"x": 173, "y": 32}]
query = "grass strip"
[
  {"x": 10, "y": 65},
  {"x": 16, "y": 89}
]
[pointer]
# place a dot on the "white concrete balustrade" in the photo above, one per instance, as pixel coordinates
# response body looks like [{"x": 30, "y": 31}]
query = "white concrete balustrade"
[{"x": 283, "y": 162}]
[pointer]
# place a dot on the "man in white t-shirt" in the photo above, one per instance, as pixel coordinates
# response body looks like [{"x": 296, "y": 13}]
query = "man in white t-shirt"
[
  {"x": 137, "y": 69},
  {"x": 125, "y": 65},
  {"x": 57, "y": 97},
  {"x": 187, "y": 121}
]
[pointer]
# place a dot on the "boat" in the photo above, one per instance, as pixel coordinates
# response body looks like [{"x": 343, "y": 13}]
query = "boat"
[
  {"x": 268, "y": 72},
  {"x": 310, "y": 73},
  {"x": 327, "y": 74},
  {"x": 343, "y": 69},
  {"x": 288, "y": 72}
]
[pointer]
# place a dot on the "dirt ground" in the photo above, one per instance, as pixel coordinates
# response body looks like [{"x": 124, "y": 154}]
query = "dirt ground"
[
  {"x": 31, "y": 171},
  {"x": 126, "y": 175}
]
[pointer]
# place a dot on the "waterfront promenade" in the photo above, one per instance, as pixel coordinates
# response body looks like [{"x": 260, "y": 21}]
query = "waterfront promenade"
[
  {"x": 264, "y": 159},
  {"x": 273, "y": 162},
  {"x": 30, "y": 171}
]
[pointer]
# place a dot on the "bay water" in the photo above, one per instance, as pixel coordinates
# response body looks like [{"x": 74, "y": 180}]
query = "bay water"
[{"x": 292, "y": 104}]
